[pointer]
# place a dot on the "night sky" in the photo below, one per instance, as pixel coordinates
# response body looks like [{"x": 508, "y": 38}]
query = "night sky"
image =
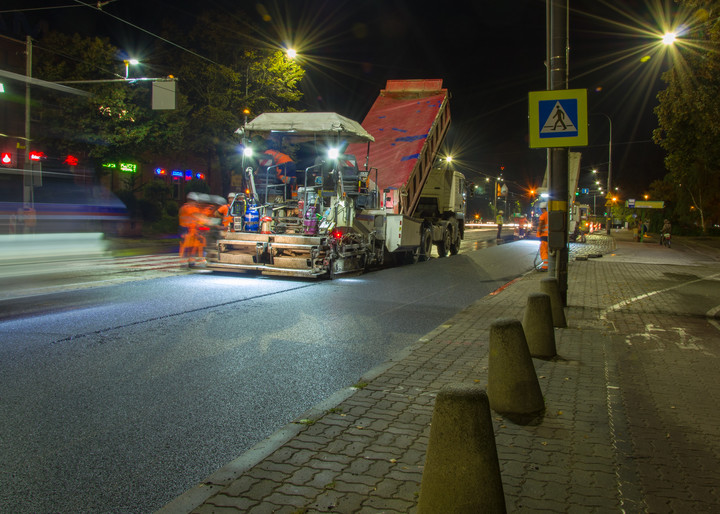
[{"x": 489, "y": 54}]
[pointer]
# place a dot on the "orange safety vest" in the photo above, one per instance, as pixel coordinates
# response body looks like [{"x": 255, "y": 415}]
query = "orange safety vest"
[
  {"x": 279, "y": 157},
  {"x": 542, "y": 228},
  {"x": 187, "y": 214},
  {"x": 224, "y": 212}
]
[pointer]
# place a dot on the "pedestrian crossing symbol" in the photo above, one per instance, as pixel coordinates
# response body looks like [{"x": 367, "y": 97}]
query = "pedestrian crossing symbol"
[{"x": 558, "y": 118}]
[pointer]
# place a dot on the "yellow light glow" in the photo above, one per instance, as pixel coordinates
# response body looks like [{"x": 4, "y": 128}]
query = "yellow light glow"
[
  {"x": 291, "y": 53},
  {"x": 669, "y": 38}
]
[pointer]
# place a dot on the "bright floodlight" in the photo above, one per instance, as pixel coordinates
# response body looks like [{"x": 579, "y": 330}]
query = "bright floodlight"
[
  {"x": 333, "y": 153},
  {"x": 134, "y": 61},
  {"x": 291, "y": 53},
  {"x": 448, "y": 158},
  {"x": 669, "y": 38},
  {"x": 247, "y": 151}
]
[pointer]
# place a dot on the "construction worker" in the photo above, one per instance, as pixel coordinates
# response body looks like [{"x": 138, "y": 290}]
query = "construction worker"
[
  {"x": 542, "y": 233},
  {"x": 285, "y": 169},
  {"x": 192, "y": 245},
  {"x": 223, "y": 212},
  {"x": 499, "y": 221}
]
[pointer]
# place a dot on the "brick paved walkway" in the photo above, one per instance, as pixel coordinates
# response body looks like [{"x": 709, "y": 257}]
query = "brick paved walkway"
[{"x": 631, "y": 420}]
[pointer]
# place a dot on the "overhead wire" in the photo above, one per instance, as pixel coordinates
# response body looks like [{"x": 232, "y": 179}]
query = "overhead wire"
[{"x": 165, "y": 40}]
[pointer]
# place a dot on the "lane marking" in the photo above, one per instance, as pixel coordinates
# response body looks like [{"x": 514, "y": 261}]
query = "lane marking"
[{"x": 624, "y": 303}]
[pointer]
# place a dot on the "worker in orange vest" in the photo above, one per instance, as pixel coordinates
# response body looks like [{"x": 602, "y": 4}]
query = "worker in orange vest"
[
  {"x": 192, "y": 245},
  {"x": 285, "y": 171},
  {"x": 223, "y": 212},
  {"x": 542, "y": 233}
]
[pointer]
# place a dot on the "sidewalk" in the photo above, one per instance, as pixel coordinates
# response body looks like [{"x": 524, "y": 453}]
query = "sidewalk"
[{"x": 632, "y": 405}]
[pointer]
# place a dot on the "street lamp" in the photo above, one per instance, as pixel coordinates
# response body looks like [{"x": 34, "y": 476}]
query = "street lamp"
[
  {"x": 609, "y": 178},
  {"x": 128, "y": 62}
]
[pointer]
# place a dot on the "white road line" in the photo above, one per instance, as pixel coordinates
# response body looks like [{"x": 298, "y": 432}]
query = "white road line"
[
  {"x": 622, "y": 304},
  {"x": 711, "y": 317}
]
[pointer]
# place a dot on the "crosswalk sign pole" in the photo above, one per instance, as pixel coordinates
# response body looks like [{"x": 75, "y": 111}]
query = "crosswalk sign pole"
[{"x": 558, "y": 165}]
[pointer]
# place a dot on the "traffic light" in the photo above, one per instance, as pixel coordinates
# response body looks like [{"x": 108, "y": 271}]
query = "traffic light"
[{"x": 7, "y": 159}]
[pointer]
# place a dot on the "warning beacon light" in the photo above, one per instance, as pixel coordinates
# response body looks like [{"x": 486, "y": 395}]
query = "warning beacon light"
[{"x": 6, "y": 158}]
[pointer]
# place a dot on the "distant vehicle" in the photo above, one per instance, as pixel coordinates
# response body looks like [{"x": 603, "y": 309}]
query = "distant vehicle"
[{"x": 59, "y": 205}]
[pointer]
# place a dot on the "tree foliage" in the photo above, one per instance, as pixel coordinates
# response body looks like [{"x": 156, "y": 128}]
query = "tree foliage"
[
  {"x": 115, "y": 120},
  {"x": 221, "y": 69},
  {"x": 689, "y": 118}
]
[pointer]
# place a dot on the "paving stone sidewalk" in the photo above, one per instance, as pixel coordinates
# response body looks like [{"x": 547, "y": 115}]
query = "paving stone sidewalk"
[{"x": 631, "y": 420}]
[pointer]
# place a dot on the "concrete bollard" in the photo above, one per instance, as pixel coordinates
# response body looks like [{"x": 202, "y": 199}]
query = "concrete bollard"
[
  {"x": 513, "y": 386},
  {"x": 538, "y": 326},
  {"x": 462, "y": 472},
  {"x": 550, "y": 287}
]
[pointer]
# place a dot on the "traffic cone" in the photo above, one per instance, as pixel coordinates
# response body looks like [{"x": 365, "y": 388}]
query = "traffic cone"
[
  {"x": 513, "y": 386},
  {"x": 538, "y": 326},
  {"x": 462, "y": 472}
]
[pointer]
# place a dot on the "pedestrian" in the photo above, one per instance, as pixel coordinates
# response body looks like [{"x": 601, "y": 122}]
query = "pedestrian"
[
  {"x": 499, "y": 221},
  {"x": 665, "y": 230},
  {"x": 542, "y": 233}
]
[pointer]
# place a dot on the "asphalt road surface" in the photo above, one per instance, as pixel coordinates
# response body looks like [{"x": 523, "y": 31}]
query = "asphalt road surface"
[{"x": 119, "y": 398}]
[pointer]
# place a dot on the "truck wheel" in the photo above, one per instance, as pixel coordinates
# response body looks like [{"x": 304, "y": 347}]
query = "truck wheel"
[
  {"x": 425, "y": 245},
  {"x": 444, "y": 245},
  {"x": 455, "y": 246},
  {"x": 412, "y": 257}
]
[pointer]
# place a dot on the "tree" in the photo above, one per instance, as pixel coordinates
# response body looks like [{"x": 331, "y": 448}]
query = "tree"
[
  {"x": 689, "y": 117},
  {"x": 227, "y": 74},
  {"x": 116, "y": 121}
]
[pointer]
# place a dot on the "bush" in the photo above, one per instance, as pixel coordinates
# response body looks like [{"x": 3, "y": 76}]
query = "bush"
[
  {"x": 150, "y": 210},
  {"x": 172, "y": 208}
]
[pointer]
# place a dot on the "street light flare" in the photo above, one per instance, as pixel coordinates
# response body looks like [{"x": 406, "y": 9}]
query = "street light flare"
[{"x": 669, "y": 38}]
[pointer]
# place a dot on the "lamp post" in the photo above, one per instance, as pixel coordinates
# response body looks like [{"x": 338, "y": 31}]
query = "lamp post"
[
  {"x": 609, "y": 177},
  {"x": 128, "y": 62}
]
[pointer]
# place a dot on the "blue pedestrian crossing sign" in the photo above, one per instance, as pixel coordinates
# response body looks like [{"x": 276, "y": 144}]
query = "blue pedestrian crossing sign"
[{"x": 558, "y": 118}]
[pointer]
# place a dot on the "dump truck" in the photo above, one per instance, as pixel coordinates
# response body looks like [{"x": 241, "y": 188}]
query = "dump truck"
[{"x": 327, "y": 215}]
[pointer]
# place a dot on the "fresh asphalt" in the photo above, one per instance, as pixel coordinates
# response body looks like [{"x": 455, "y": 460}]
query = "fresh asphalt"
[{"x": 121, "y": 397}]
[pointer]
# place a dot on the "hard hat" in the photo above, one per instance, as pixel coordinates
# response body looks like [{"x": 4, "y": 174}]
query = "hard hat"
[
  {"x": 543, "y": 205},
  {"x": 193, "y": 196},
  {"x": 501, "y": 212},
  {"x": 231, "y": 195},
  {"x": 217, "y": 200}
]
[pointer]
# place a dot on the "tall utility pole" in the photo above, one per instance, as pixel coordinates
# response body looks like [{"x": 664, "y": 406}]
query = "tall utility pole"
[
  {"x": 609, "y": 181},
  {"x": 28, "y": 179},
  {"x": 558, "y": 157}
]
